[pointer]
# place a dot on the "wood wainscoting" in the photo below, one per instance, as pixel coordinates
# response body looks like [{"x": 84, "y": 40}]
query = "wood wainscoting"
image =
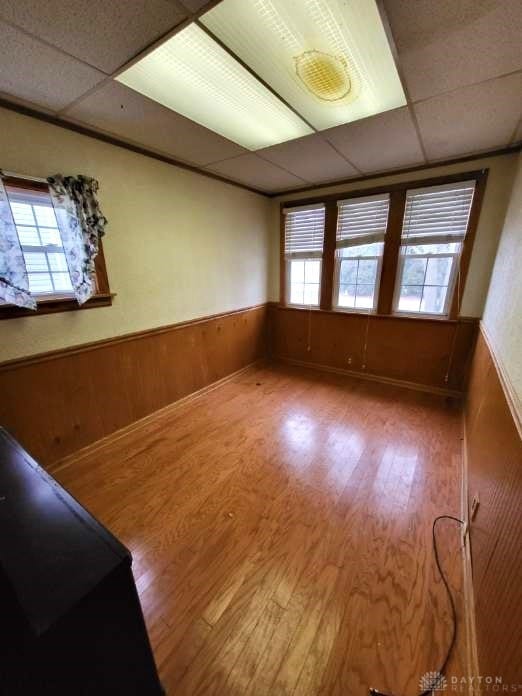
[
  {"x": 494, "y": 462},
  {"x": 412, "y": 351},
  {"x": 59, "y": 402}
]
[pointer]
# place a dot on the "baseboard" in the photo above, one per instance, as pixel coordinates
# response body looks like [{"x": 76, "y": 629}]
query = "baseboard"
[
  {"x": 372, "y": 378},
  {"x": 472, "y": 665},
  {"x": 90, "y": 449}
]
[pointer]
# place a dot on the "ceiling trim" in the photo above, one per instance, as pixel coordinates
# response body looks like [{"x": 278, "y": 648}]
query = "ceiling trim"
[
  {"x": 113, "y": 140},
  {"x": 516, "y": 147}
]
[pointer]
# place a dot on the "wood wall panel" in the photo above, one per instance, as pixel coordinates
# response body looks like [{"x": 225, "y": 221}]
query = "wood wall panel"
[
  {"x": 399, "y": 348},
  {"x": 494, "y": 460},
  {"x": 54, "y": 404}
]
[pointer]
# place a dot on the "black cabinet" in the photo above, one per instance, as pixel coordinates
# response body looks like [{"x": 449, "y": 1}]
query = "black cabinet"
[{"x": 71, "y": 621}]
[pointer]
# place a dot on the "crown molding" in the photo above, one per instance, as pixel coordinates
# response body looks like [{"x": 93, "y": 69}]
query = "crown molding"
[{"x": 112, "y": 140}]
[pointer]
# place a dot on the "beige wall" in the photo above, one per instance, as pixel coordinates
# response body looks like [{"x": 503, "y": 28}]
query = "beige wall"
[
  {"x": 178, "y": 245},
  {"x": 503, "y": 312},
  {"x": 501, "y": 174}
]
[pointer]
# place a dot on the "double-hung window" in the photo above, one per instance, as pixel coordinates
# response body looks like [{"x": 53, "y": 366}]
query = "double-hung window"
[
  {"x": 304, "y": 240},
  {"x": 37, "y": 225},
  {"x": 433, "y": 231},
  {"x": 361, "y": 228},
  {"x": 40, "y": 241}
]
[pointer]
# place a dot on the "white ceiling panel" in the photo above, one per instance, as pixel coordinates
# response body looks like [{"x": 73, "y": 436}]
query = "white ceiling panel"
[
  {"x": 311, "y": 158},
  {"x": 330, "y": 60},
  {"x": 102, "y": 33},
  {"x": 39, "y": 74},
  {"x": 385, "y": 141},
  {"x": 195, "y": 76},
  {"x": 445, "y": 44},
  {"x": 252, "y": 170},
  {"x": 123, "y": 112},
  {"x": 480, "y": 117}
]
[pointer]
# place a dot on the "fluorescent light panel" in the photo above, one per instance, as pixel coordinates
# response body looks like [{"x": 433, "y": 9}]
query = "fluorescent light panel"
[
  {"x": 329, "y": 59},
  {"x": 194, "y": 76}
]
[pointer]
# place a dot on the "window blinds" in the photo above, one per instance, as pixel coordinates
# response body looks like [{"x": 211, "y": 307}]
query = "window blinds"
[
  {"x": 304, "y": 231},
  {"x": 362, "y": 220},
  {"x": 438, "y": 214}
]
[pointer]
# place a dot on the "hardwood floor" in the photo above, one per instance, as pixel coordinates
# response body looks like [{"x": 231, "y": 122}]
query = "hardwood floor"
[{"x": 281, "y": 532}]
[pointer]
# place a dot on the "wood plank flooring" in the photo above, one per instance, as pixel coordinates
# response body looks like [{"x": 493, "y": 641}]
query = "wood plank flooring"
[{"x": 281, "y": 532}]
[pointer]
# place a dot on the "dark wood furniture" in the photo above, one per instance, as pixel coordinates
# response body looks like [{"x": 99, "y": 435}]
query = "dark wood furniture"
[{"x": 71, "y": 618}]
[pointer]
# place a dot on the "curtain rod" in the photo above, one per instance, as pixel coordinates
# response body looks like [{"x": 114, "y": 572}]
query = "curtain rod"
[{"x": 16, "y": 175}]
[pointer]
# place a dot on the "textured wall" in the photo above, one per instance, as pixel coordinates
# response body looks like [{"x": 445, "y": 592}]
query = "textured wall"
[
  {"x": 178, "y": 245},
  {"x": 503, "y": 313},
  {"x": 501, "y": 173}
]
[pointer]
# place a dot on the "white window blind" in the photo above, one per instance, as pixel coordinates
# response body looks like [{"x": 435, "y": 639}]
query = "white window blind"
[
  {"x": 304, "y": 231},
  {"x": 438, "y": 214},
  {"x": 362, "y": 220}
]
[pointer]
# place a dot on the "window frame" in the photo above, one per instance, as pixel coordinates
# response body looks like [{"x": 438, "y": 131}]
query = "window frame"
[
  {"x": 337, "y": 285},
  {"x": 299, "y": 256},
  {"x": 361, "y": 240},
  {"x": 390, "y": 267},
  {"x": 430, "y": 238},
  {"x": 59, "y": 302},
  {"x": 456, "y": 256},
  {"x": 305, "y": 257}
]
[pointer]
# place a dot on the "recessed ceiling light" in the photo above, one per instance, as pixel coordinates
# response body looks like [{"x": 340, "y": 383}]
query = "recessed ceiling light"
[
  {"x": 194, "y": 76},
  {"x": 329, "y": 59}
]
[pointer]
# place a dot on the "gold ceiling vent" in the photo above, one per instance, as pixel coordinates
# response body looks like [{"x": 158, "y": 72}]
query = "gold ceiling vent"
[{"x": 324, "y": 75}]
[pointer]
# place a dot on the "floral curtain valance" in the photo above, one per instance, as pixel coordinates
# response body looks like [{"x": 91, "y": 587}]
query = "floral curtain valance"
[{"x": 81, "y": 224}]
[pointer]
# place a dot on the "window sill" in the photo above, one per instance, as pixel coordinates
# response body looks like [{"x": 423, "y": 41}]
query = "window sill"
[
  {"x": 55, "y": 305},
  {"x": 302, "y": 306},
  {"x": 395, "y": 315},
  {"x": 421, "y": 315},
  {"x": 354, "y": 310}
]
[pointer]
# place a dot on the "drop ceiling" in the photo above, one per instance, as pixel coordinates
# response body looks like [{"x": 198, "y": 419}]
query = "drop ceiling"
[{"x": 460, "y": 64}]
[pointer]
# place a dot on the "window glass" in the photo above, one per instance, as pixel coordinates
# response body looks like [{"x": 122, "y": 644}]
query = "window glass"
[
  {"x": 305, "y": 276},
  {"x": 39, "y": 236},
  {"x": 358, "y": 275}
]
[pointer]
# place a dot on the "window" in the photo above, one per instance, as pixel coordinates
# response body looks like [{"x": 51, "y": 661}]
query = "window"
[
  {"x": 433, "y": 231},
  {"x": 304, "y": 237},
  {"x": 404, "y": 249},
  {"x": 39, "y": 236},
  {"x": 361, "y": 227},
  {"x": 41, "y": 243}
]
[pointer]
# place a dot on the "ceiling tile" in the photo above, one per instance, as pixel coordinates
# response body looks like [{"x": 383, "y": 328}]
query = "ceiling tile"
[
  {"x": 311, "y": 158},
  {"x": 252, "y": 170},
  {"x": 385, "y": 141},
  {"x": 480, "y": 117},
  {"x": 103, "y": 34},
  {"x": 447, "y": 44},
  {"x": 39, "y": 74},
  {"x": 123, "y": 112}
]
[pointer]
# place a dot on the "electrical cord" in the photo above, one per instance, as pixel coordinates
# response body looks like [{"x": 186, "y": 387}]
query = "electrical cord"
[{"x": 438, "y": 677}]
